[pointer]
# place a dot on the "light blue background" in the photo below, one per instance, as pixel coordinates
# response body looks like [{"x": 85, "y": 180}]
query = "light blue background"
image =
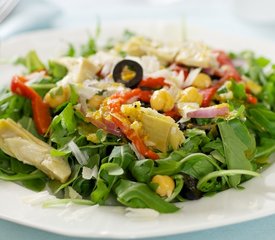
[{"x": 221, "y": 15}]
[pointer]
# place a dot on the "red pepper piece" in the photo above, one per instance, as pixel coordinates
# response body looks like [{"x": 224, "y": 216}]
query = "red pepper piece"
[
  {"x": 153, "y": 82},
  {"x": 118, "y": 99},
  {"x": 228, "y": 67},
  {"x": 208, "y": 95},
  {"x": 251, "y": 99},
  {"x": 41, "y": 112},
  {"x": 173, "y": 114}
]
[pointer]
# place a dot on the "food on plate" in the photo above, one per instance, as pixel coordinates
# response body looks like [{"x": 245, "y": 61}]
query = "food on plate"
[{"x": 138, "y": 122}]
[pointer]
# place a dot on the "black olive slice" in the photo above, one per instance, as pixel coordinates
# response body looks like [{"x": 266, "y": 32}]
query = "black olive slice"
[{"x": 132, "y": 66}]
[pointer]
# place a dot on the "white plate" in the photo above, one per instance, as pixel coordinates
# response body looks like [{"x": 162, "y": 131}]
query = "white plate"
[{"x": 231, "y": 206}]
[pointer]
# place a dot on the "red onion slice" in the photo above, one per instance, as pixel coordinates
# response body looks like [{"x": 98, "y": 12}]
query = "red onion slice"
[{"x": 220, "y": 110}]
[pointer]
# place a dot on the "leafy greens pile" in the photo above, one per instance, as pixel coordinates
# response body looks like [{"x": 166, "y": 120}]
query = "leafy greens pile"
[{"x": 217, "y": 154}]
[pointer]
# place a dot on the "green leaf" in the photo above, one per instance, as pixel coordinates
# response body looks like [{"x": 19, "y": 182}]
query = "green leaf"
[
  {"x": 71, "y": 51},
  {"x": 234, "y": 148},
  {"x": 139, "y": 195},
  {"x": 263, "y": 119},
  {"x": 198, "y": 166},
  {"x": 205, "y": 183},
  {"x": 122, "y": 155},
  {"x": 35, "y": 184},
  {"x": 22, "y": 176},
  {"x": 33, "y": 63},
  {"x": 74, "y": 96},
  {"x": 57, "y": 70},
  {"x": 112, "y": 169},
  {"x": 142, "y": 170},
  {"x": 89, "y": 48},
  {"x": 262, "y": 61},
  {"x": 265, "y": 148},
  {"x": 178, "y": 187},
  {"x": 68, "y": 119},
  {"x": 170, "y": 167},
  {"x": 238, "y": 90}
]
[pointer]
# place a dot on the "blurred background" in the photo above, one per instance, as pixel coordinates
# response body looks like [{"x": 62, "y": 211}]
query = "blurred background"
[{"x": 253, "y": 18}]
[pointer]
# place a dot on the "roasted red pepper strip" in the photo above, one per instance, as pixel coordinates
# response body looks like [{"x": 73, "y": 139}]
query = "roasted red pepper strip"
[
  {"x": 208, "y": 95},
  {"x": 41, "y": 113},
  {"x": 118, "y": 99},
  {"x": 135, "y": 139},
  {"x": 228, "y": 67},
  {"x": 174, "y": 113},
  {"x": 153, "y": 82}
]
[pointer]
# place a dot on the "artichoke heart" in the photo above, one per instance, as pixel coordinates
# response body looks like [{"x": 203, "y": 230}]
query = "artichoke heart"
[
  {"x": 79, "y": 69},
  {"x": 159, "y": 131},
  {"x": 22, "y": 145},
  {"x": 195, "y": 54}
]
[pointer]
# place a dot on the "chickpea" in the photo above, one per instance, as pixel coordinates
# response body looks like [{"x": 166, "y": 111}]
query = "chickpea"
[
  {"x": 202, "y": 81},
  {"x": 191, "y": 95},
  {"x": 162, "y": 100},
  {"x": 57, "y": 96},
  {"x": 95, "y": 101},
  {"x": 166, "y": 185}
]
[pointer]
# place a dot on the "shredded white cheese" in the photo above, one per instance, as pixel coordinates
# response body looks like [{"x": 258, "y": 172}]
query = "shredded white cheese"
[{"x": 81, "y": 157}]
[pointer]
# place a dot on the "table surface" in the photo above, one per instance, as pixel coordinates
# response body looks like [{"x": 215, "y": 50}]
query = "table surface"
[{"x": 227, "y": 16}]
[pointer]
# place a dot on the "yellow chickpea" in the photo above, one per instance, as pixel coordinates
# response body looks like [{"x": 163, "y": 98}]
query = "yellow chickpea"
[
  {"x": 166, "y": 185},
  {"x": 95, "y": 101},
  {"x": 162, "y": 100},
  {"x": 191, "y": 95},
  {"x": 202, "y": 81},
  {"x": 57, "y": 96}
]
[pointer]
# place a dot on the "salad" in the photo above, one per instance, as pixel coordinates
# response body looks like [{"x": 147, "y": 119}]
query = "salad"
[{"x": 137, "y": 122}]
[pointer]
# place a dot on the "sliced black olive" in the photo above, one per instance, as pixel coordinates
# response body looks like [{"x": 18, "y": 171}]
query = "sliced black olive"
[
  {"x": 189, "y": 190},
  {"x": 129, "y": 66}
]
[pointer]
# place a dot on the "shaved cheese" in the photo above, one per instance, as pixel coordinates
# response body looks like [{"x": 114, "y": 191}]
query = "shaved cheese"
[
  {"x": 81, "y": 157},
  {"x": 89, "y": 173},
  {"x": 191, "y": 77}
]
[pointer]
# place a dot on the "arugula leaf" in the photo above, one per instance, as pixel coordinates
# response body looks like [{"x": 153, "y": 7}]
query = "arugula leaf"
[
  {"x": 89, "y": 48},
  {"x": 233, "y": 133},
  {"x": 32, "y": 62},
  {"x": 68, "y": 120},
  {"x": 139, "y": 195},
  {"x": 71, "y": 51},
  {"x": 142, "y": 170},
  {"x": 263, "y": 119},
  {"x": 57, "y": 70}
]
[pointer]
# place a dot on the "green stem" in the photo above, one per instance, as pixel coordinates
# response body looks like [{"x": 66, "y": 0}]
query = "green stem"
[{"x": 221, "y": 173}]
